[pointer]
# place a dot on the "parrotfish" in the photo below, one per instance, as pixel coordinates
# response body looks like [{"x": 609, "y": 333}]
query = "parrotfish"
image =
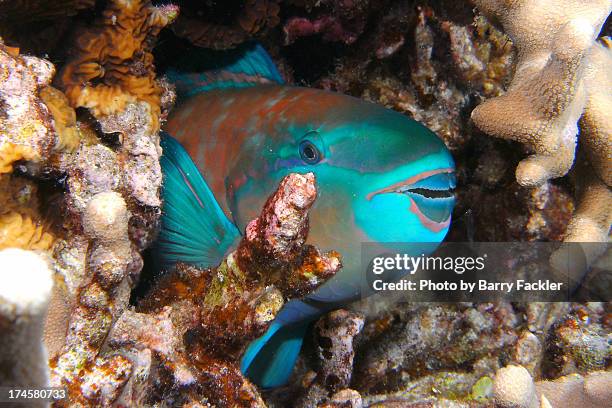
[{"x": 239, "y": 129}]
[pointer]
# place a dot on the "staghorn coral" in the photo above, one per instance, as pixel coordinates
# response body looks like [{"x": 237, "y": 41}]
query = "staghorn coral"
[
  {"x": 111, "y": 62},
  {"x": 547, "y": 95},
  {"x": 515, "y": 388},
  {"x": 24, "y": 296},
  {"x": 249, "y": 18},
  {"x": 196, "y": 323}
]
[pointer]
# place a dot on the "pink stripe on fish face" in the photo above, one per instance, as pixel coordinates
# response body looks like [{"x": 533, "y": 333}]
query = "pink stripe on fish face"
[
  {"x": 431, "y": 225},
  {"x": 408, "y": 182}
]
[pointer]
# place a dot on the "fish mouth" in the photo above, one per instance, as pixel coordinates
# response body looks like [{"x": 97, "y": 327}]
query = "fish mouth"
[
  {"x": 431, "y": 194},
  {"x": 432, "y": 184}
]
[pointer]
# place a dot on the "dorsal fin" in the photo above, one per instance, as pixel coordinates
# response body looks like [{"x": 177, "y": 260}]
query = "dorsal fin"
[
  {"x": 204, "y": 70},
  {"x": 194, "y": 229}
]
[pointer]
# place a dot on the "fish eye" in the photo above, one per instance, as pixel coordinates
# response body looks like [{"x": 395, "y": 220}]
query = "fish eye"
[{"x": 309, "y": 152}]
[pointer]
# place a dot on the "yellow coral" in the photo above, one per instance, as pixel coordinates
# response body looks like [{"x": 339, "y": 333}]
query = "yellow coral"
[
  {"x": 20, "y": 222},
  {"x": 10, "y": 153},
  {"x": 116, "y": 53},
  {"x": 64, "y": 119},
  {"x": 21, "y": 231}
]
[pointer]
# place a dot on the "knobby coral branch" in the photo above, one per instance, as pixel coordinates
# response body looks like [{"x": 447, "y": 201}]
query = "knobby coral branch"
[
  {"x": 197, "y": 322},
  {"x": 554, "y": 40}
]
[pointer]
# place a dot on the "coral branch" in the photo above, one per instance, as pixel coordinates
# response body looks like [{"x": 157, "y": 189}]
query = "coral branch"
[
  {"x": 24, "y": 297},
  {"x": 547, "y": 95},
  {"x": 334, "y": 336},
  {"x": 198, "y": 322}
]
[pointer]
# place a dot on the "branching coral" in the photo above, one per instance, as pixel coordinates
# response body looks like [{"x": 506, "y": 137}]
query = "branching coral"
[
  {"x": 111, "y": 63},
  {"x": 547, "y": 95},
  {"x": 251, "y": 17},
  {"x": 24, "y": 297},
  {"x": 515, "y": 388}
]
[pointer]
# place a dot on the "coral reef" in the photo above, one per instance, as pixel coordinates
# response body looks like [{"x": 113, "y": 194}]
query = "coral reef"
[
  {"x": 24, "y": 297},
  {"x": 80, "y": 181}
]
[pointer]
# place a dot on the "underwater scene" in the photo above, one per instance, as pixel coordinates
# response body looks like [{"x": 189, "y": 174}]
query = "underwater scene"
[{"x": 306, "y": 203}]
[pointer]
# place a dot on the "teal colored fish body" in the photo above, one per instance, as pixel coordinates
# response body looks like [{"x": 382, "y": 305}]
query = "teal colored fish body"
[{"x": 381, "y": 177}]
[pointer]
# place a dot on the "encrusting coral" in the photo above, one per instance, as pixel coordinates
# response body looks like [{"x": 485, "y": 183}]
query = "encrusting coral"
[
  {"x": 111, "y": 63},
  {"x": 515, "y": 388},
  {"x": 27, "y": 132},
  {"x": 24, "y": 297}
]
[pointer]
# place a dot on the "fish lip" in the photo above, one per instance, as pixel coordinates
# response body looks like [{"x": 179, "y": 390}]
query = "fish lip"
[{"x": 407, "y": 186}]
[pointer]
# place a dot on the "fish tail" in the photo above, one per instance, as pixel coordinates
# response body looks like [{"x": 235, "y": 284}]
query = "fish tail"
[{"x": 269, "y": 360}]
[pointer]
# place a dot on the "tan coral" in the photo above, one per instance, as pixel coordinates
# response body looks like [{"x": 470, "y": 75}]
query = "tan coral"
[
  {"x": 514, "y": 388},
  {"x": 595, "y": 124},
  {"x": 21, "y": 225},
  {"x": 547, "y": 96},
  {"x": 112, "y": 63}
]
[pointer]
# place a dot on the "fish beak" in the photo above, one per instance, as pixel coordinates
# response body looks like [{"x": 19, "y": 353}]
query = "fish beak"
[{"x": 431, "y": 195}]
